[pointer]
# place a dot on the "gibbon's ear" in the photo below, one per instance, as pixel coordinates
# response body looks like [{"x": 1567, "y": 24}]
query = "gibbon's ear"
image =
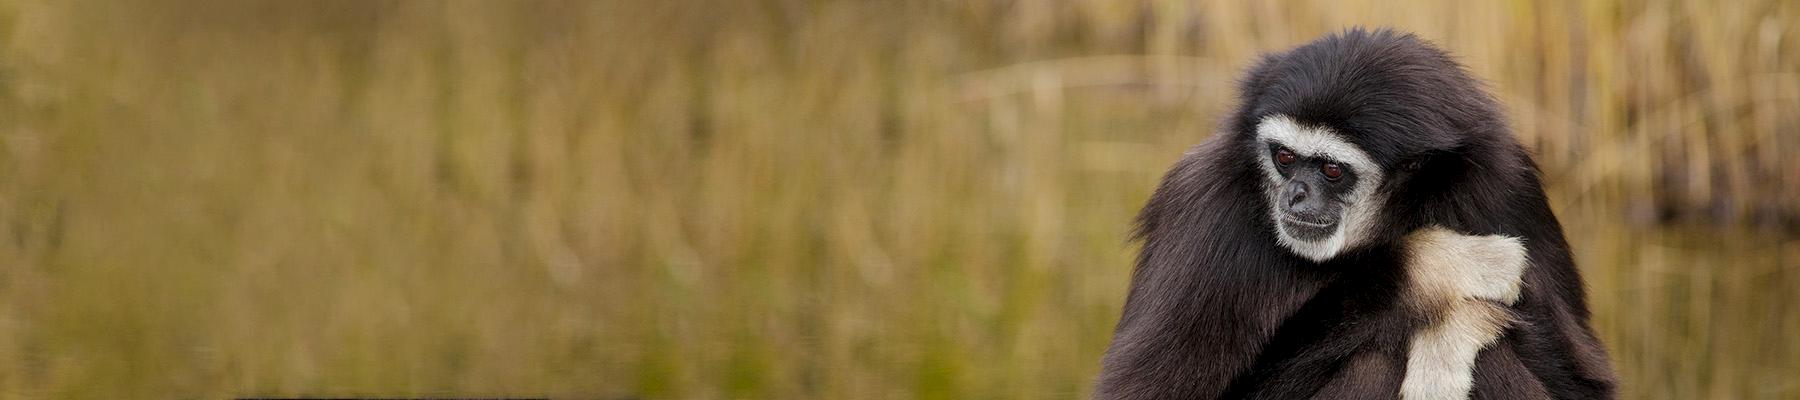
[
  {"x": 1416, "y": 162},
  {"x": 1448, "y": 160},
  {"x": 1424, "y": 167}
]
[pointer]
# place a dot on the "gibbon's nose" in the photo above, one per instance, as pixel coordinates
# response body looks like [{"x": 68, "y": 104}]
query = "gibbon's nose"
[{"x": 1294, "y": 193}]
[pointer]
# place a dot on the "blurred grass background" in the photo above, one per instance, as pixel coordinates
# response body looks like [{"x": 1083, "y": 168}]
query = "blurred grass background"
[{"x": 786, "y": 198}]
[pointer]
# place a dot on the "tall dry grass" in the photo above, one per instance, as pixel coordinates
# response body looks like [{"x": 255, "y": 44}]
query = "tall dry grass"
[{"x": 785, "y": 199}]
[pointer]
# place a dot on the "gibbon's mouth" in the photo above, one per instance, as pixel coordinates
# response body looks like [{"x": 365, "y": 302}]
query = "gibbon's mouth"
[
  {"x": 1306, "y": 231},
  {"x": 1304, "y": 222}
]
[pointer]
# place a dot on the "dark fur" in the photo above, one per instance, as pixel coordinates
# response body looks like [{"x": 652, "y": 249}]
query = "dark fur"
[{"x": 1217, "y": 309}]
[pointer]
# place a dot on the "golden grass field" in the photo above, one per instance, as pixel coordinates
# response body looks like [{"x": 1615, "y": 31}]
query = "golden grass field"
[{"x": 786, "y": 199}]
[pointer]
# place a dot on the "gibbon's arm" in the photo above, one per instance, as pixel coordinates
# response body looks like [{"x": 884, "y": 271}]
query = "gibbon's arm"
[
  {"x": 1464, "y": 286},
  {"x": 1501, "y": 374},
  {"x": 1560, "y": 356},
  {"x": 1209, "y": 289}
]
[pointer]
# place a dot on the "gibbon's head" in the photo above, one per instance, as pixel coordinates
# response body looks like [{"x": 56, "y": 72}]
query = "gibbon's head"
[{"x": 1341, "y": 126}]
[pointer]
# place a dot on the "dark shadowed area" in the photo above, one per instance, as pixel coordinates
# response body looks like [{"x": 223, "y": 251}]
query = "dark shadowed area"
[{"x": 787, "y": 199}]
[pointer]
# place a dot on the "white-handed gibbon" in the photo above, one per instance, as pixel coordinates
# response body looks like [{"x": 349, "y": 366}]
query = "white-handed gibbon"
[{"x": 1363, "y": 226}]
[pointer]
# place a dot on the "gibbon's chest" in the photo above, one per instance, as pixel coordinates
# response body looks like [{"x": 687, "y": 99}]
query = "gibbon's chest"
[{"x": 1461, "y": 285}]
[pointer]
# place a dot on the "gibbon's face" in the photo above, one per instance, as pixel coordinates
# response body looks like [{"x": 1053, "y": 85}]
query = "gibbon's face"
[{"x": 1320, "y": 187}]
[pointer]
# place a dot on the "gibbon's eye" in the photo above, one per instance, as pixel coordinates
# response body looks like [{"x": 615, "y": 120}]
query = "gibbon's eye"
[
  {"x": 1285, "y": 157},
  {"x": 1332, "y": 171}
]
